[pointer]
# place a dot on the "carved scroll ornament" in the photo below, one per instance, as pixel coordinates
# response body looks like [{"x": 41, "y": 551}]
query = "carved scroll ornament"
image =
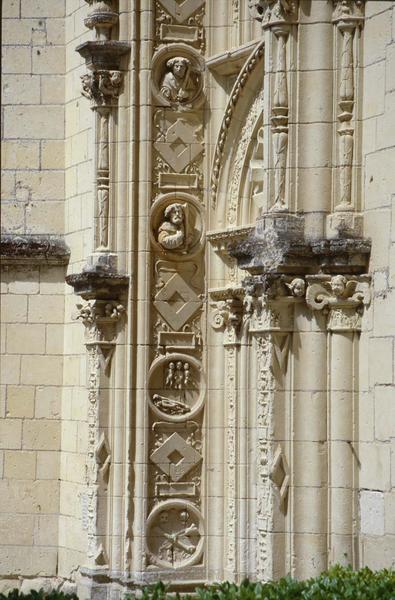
[{"x": 343, "y": 298}]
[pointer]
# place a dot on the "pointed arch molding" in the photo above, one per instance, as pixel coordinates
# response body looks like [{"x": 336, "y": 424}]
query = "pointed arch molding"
[{"x": 224, "y": 138}]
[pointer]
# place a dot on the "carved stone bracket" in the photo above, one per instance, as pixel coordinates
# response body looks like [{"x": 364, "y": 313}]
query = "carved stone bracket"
[
  {"x": 278, "y": 246},
  {"x": 343, "y": 298}
]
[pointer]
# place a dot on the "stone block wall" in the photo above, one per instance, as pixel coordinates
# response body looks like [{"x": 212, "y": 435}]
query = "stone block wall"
[
  {"x": 377, "y": 368},
  {"x": 32, "y": 304},
  {"x": 32, "y": 310}
]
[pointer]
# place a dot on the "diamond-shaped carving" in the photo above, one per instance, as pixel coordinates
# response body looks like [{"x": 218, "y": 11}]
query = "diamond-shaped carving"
[
  {"x": 175, "y": 457},
  {"x": 177, "y": 302},
  {"x": 279, "y": 473},
  {"x": 181, "y": 10},
  {"x": 181, "y": 146}
]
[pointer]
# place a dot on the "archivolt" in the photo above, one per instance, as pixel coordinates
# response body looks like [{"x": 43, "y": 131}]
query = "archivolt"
[{"x": 235, "y": 115}]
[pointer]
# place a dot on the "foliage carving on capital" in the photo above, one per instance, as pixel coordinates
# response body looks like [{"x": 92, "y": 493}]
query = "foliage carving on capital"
[
  {"x": 348, "y": 10},
  {"x": 102, "y": 87},
  {"x": 272, "y": 11},
  {"x": 99, "y": 318}
]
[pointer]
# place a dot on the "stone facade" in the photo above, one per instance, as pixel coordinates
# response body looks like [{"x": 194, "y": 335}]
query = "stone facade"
[{"x": 198, "y": 279}]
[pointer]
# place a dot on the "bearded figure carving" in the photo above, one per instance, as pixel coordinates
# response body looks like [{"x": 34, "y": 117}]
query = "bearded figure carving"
[{"x": 171, "y": 233}]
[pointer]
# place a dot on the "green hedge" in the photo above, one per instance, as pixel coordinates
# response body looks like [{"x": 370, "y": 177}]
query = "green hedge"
[
  {"x": 17, "y": 595},
  {"x": 336, "y": 584}
]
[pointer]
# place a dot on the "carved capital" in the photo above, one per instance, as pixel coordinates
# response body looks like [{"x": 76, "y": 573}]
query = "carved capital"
[
  {"x": 99, "y": 318},
  {"x": 102, "y": 87},
  {"x": 348, "y": 13},
  {"x": 227, "y": 311},
  {"x": 343, "y": 298},
  {"x": 273, "y": 12}
]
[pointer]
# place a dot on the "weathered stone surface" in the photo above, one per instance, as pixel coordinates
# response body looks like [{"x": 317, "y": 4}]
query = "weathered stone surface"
[
  {"x": 218, "y": 401},
  {"x": 34, "y": 249}
]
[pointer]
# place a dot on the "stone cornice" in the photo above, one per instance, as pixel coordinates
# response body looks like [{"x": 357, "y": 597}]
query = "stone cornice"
[
  {"x": 278, "y": 245},
  {"x": 103, "y": 54},
  {"x": 98, "y": 285},
  {"x": 33, "y": 249}
]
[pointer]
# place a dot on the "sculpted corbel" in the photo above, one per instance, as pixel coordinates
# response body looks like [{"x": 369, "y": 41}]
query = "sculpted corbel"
[
  {"x": 101, "y": 86},
  {"x": 343, "y": 298},
  {"x": 100, "y": 318}
]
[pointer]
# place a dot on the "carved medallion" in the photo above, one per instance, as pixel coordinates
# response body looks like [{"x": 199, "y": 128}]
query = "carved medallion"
[
  {"x": 177, "y": 225},
  {"x": 175, "y": 534},
  {"x": 177, "y": 77},
  {"x": 177, "y": 387}
]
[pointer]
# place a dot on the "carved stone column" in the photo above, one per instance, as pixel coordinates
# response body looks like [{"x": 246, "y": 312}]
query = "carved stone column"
[
  {"x": 342, "y": 298},
  {"x": 348, "y": 18},
  {"x": 102, "y": 85},
  {"x": 269, "y": 302},
  {"x": 227, "y": 318},
  {"x": 102, "y": 314},
  {"x": 277, "y": 18}
]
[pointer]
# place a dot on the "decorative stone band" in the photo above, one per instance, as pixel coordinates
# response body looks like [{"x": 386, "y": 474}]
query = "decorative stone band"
[{"x": 33, "y": 249}]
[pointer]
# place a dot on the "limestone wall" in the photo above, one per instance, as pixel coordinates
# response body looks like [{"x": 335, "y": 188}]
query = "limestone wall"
[
  {"x": 289, "y": 428},
  {"x": 377, "y": 395},
  {"x": 32, "y": 306}
]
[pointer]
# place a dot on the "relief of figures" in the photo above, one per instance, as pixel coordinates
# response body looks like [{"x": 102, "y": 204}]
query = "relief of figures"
[
  {"x": 176, "y": 385},
  {"x": 178, "y": 377}
]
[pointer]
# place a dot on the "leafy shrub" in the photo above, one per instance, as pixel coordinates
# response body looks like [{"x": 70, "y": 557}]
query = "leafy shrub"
[
  {"x": 41, "y": 595},
  {"x": 336, "y": 584},
  {"x": 339, "y": 583}
]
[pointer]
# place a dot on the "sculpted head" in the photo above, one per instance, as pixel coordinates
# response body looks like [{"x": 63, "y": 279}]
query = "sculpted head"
[
  {"x": 298, "y": 286},
  {"x": 338, "y": 285},
  {"x": 174, "y": 213},
  {"x": 178, "y": 66},
  {"x": 164, "y": 517}
]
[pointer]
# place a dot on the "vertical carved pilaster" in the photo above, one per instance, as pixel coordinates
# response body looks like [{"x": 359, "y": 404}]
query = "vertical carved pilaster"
[
  {"x": 279, "y": 120},
  {"x": 342, "y": 298},
  {"x": 102, "y": 85},
  {"x": 227, "y": 318},
  {"x": 277, "y": 16},
  {"x": 100, "y": 318},
  {"x": 270, "y": 325},
  {"x": 348, "y": 17}
]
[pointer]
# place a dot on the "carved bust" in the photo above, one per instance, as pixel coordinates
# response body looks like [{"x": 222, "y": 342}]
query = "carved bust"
[
  {"x": 179, "y": 84},
  {"x": 171, "y": 233}
]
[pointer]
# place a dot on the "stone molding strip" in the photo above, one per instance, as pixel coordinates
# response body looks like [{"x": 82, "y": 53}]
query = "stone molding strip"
[{"x": 33, "y": 249}]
